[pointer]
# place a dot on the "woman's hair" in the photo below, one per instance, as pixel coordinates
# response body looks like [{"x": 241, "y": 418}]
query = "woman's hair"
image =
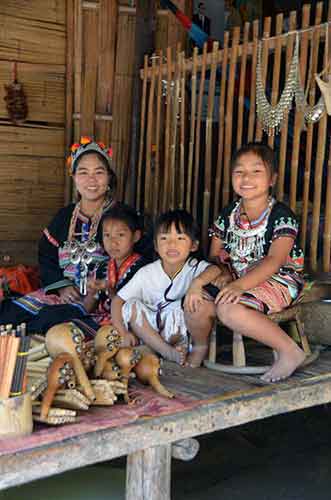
[
  {"x": 126, "y": 214},
  {"x": 112, "y": 183},
  {"x": 263, "y": 151}
]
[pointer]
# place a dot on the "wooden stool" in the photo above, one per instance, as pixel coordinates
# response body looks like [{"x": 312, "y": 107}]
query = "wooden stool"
[{"x": 290, "y": 315}]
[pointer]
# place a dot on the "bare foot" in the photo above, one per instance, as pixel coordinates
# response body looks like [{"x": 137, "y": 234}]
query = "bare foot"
[
  {"x": 176, "y": 354},
  {"x": 285, "y": 364},
  {"x": 198, "y": 354}
]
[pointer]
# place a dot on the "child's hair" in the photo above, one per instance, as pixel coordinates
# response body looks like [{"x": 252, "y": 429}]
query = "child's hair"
[
  {"x": 125, "y": 213},
  {"x": 183, "y": 221},
  {"x": 263, "y": 151}
]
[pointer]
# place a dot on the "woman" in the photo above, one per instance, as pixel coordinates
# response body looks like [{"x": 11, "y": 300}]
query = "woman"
[{"x": 70, "y": 248}]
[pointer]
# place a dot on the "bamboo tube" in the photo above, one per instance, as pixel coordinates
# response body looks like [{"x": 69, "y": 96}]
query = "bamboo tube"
[
  {"x": 198, "y": 130},
  {"x": 299, "y": 118},
  {"x": 166, "y": 182},
  {"x": 208, "y": 153},
  {"x": 265, "y": 58},
  {"x": 189, "y": 197},
  {"x": 228, "y": 116},
  {"x": 150, "y": 116},
  {"x": 182, "y": 134},
  {"x": 156, "y": 190},
  {"x": 284, "y": 129},
  {"x": 69, "y": 94},
  {"x": 78, "y": 58},
  {"x": 327, "y": 224},
  {"x": 12, "y": 346},
  {"x": 174, "y": 128},
  {"x": 221, "y": 121},
  {"x": 242, "y": 81},
  {"x": 276, "y": 69},
  {"x": 320, "y": 155},
  {"x": 142, "y": 135},
  {"x": 309, "y": 135},
  {"x": 252, "y": 104}
]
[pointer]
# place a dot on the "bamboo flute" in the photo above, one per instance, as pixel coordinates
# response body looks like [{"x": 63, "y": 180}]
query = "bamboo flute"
[
  {"x": 174, "y": 129},
  {"x": 150, "y": 116},
  {"x": 156, "y": 190},
  {"x": 309, "y": 134},
  {"x": 10, "y": 360},
  {"x": 208, "y": 153},
  {"x": 142, "y": 134},
  {"x": 265, "y": 58},
  {"x": 242, "y": 81},
  {"x": 198, "y": 131},
  {"x": 182, "y": 134},
  {"x": 20, "y": 367},
  {"x": 189, "y": 197},
  {"x": 252, "y": 104},
  {"x": 221, "y": 121},
  {"x": 284, "y": 129},
  {"x": 228, "y": 116},
  {"x": 166, "y": 182},
  {"x": 277, "y": 56},
  {"x": 298, "y": 121}
]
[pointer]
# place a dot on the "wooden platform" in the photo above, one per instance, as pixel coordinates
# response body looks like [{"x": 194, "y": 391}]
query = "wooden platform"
[{"x": 224, "y": 401}]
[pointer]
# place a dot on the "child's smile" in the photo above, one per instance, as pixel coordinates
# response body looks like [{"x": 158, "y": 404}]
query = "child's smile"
[
  {"x": 251, "y": 179},
  {"x": 174, "y": 248},
  {"x": 118, "y": 239}
]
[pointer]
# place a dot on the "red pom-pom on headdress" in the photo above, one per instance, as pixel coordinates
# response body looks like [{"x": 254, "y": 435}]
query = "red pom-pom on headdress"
[{"x": 83, "y": 146}]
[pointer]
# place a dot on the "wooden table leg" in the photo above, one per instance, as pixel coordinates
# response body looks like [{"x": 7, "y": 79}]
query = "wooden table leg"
[{"x": 148, "y": 474}]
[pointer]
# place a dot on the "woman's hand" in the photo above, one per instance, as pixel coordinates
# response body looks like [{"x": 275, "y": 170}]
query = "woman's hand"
[
  {"x": 69, "y": 294},
  {"x": 230, "y": 294},
  {"x": 193, "y": 299}
]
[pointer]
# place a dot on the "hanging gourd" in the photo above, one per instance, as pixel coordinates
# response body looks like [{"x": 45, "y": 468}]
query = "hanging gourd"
[{"x": 15, "y": 98}]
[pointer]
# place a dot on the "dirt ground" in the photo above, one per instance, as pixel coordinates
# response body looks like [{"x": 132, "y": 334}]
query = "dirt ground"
[{"x": 281, "y": 458}]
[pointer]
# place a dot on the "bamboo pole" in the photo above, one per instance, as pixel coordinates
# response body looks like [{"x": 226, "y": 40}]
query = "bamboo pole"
[
  {"x": 150, "y": 116},
  {"x": 265, "y": 59},
  {"x": 242, "y": 81},
  {"x": 198, "y": 131},
  {"x": 78, "y": 60},
  {"x": 309, "y": 137},
  {"x": 252, "y": 104},
  {"x": 284, "y": 128},
  {"x": 276, "y": 69},
  {"x": 69, "y": 94},
  {"x": 156, "y": 190},
  {"x": 208, "y": 151},
  {"x": 182, "y": 134},
  {"x": 174, "y": 131},
  {"x": 229, "y": 117},
  {"x": 299, "y": 123},
  {"x": 189, "y": 197},
  {"x": 166, "y": 183},
  {"x": 142, "y": 135},
  {"x": 320, "y": 154},
  {"x": 221, "y": 127},
  {"x": 327, "y": 223}
]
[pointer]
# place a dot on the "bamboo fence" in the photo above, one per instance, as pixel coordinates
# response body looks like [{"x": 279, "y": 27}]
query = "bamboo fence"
[{"x": 197, "y": 111}]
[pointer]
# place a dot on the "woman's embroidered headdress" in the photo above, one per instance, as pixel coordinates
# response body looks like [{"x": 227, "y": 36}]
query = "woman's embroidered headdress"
[{"x": 85, "y": 145}]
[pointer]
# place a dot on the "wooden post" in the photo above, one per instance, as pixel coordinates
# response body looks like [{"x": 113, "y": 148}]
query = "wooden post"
[
  {"x": 148, "y": 474},
  {"x": 144, "y": 44}
]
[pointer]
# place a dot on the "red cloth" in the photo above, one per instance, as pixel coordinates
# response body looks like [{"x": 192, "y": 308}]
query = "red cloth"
[{"x": 20, "y": 279}]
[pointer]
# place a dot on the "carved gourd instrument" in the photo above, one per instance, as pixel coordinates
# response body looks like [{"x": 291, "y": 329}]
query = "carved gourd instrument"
[
  {"x": 107, "y": 342},
  {"x": 127, "y": 358},
  {"x": 111, "y": 371},
  {"x": 67, "y": 338},
  {"x": 148, "y": 370},
  {"x": 60, "y": 374}
]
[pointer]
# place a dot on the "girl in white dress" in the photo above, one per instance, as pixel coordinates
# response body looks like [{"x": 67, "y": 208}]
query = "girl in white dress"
[{"x": 150, "y": 305}]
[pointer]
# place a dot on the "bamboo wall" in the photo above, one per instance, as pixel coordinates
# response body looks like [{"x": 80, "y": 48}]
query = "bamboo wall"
[
  {"x": 33, "y": 34},
  {"x": 101, "y": 50},
  {"x": 188, "y": 135}
]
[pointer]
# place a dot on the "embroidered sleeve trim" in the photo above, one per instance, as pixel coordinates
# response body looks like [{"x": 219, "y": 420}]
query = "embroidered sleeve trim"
[{"x": 50, "y": 238}]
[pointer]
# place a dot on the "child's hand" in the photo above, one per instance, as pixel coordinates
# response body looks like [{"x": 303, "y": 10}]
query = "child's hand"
[
  {"x": 222, "y": 279},
  {"x": 193, "y": 299},
  {"x": 128, "y": 339},
  {"x": 94, "y": 285},
  {"x": 230, "y": 294}
]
